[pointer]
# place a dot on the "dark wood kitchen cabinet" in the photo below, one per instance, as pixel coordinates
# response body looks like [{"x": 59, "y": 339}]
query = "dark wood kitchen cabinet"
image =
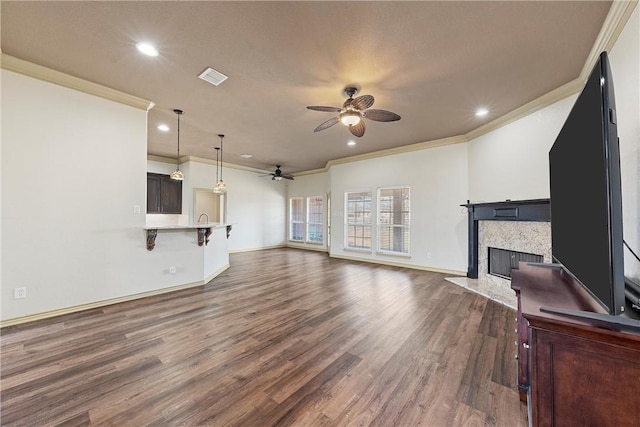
[
  {"x": 164, "y": 195},
  {"x": 573, "y": 371}
]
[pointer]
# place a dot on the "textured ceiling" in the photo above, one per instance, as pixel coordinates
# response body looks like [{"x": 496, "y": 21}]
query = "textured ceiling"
[{"x": 433, "y": 63}]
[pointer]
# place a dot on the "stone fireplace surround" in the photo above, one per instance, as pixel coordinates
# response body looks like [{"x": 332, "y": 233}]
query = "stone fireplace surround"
[{"x": 522, "y": 225}]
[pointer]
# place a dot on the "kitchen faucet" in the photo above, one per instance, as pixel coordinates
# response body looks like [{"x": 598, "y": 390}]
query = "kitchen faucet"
[{"x": 200, "y": 217}]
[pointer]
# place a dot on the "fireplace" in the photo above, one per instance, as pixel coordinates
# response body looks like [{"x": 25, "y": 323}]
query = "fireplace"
[
  {"x": 513, "y": 227},
  {"x": 537, "y": 210},
  {"x": 500, "y": 262}
]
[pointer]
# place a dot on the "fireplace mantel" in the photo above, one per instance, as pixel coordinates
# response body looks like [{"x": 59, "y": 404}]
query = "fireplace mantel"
[{"x": 508, "y": 210}]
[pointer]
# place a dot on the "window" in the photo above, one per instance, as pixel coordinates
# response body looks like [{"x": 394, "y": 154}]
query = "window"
[
  {"x": 306, "y": 219},
  {"x": 315, "y": 223},
  {"x": 358, "y": 220},
  {"x": 394, "y": 219},
  {"x": 296, "y": 215}
]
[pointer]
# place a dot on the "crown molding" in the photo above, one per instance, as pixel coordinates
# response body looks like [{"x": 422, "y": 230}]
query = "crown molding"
[
  {"x": 311, "y": 171},
  {"x": 614, "y": 23},
  {"x": 226, "y": 165},
  {"x": 545, "y": 100},
  {"x": 162, "y": 159},
  {"x": 387, "y": 152},
  {"x": 36, "y": 71},
  {"x": 194, "y": 159},
  {"x": 399, "y": 150}
]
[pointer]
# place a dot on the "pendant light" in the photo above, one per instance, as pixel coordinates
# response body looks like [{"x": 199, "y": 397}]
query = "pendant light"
[
  {"x": 221, "y": 187},
  {"x": 216, "y": 189},
  {"x": 177, "y": 174}
]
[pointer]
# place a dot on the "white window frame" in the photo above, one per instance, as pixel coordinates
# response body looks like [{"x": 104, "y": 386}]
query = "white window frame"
[
  {"x": 305, "y": 222},
  {"x": 358, "y": 220},
  {"x": 404, "y": 222},
  {"x": 309, "y": 223},
  {"x": 293, "y": 221}
]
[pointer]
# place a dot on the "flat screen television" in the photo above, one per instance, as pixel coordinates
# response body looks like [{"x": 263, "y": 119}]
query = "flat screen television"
[{"x": 585, "y": 190}]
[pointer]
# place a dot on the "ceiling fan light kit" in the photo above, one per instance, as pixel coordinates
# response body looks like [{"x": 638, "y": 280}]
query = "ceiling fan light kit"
[
  {"x": 353, "y": 111},
  {"x": 277, "y": 175},
  {"x": 350, "y": 117}
]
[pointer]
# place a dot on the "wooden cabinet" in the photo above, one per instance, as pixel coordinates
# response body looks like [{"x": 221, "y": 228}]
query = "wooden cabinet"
[
  {"x": 573, "y": 371},
  {"x": 164, "y": 195}
]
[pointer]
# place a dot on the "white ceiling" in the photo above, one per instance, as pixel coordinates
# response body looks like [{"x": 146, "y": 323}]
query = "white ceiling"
[{"x": 433, "y": 63}]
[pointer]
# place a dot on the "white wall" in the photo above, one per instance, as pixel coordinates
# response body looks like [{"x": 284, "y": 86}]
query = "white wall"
[
  {"x": 256, "y": 206},
  {"x": 512, "y": 162},
  {"x": 625, "y": 67},
  {"x": 73, "y": 167},
  {"x": 438, "y": 178}
]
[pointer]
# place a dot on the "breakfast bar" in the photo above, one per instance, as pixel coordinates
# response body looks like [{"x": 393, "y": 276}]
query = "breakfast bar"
[{"x": 204, "y": 230}]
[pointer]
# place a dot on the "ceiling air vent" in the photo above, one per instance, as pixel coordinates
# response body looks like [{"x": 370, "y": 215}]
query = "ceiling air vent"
[{"x": 212, "y": 76}]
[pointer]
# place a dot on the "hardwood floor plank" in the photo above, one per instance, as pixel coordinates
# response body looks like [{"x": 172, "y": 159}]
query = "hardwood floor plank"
[
  {"x": 283, "y": 337},
  {"x": 287, "y": 412},
  {"x": 80, "y": 420}
]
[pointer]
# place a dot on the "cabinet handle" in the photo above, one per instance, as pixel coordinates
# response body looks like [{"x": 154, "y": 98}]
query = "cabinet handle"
[{"x": 525, "y": 345}]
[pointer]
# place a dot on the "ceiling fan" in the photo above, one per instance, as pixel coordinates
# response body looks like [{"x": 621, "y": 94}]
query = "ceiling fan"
[
  {"x": 353, "y": 111},
  {"x": 277, "y": 175}
]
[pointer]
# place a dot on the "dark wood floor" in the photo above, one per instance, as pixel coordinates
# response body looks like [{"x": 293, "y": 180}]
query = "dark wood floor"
[{"x": 283, "y": 337}]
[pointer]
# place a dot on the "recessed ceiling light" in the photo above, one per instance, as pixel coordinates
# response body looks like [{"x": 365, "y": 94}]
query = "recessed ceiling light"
[
  {"x": 147, "y": 49},
  {"x": 351, "y": 143},
  {"x": 246, "y": 156},
  {"x": 163, "y": 128},
  {"x": 481, "y": 112}
]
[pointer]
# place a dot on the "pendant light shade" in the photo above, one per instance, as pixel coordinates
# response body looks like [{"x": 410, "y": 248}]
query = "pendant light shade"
[
  {"x": 177, "y": 174},
  {"x": 215, "y": 188},
  {"x": 221, "y": 187}
]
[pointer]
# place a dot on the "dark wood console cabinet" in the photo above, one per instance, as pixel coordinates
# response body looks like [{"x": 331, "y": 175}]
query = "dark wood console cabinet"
[{"x": 572, "y": 371}]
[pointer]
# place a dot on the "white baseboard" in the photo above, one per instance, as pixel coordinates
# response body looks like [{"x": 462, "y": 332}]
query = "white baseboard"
[
  {"x": 103, "y": 303},
  {"x": 215, "y": 274},
  {"x": 317, "y": 248},
  {"x": 262, "y": 248},
  {"x": 399, "y": 264}
]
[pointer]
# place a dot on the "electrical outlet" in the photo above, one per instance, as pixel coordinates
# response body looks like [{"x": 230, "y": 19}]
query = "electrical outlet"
[
  {"x": 136, "y": 209},
  {"x": 172, "y": 269},
  {"x": 19, "y": 293},
  {"x": 429, "y": 255}
]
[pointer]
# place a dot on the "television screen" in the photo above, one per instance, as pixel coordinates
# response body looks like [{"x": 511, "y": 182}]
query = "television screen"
[{"x": 586, "y": 203}]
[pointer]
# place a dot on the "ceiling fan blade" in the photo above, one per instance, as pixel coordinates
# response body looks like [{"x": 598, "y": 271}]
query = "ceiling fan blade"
[
  {"x": 322, "y": 108},
  {"x": 357, "y": 130},
  {"x": 381, "y": 115},
  {"x": 332, "y": 121},
  {"x": 362, "y": 102},
  {"x": 287, "y": 177}
]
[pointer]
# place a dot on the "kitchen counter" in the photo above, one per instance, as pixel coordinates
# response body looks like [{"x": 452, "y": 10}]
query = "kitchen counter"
[
  {"x": 186, "y": 227},
  {"x": 203, "y": 229}
]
